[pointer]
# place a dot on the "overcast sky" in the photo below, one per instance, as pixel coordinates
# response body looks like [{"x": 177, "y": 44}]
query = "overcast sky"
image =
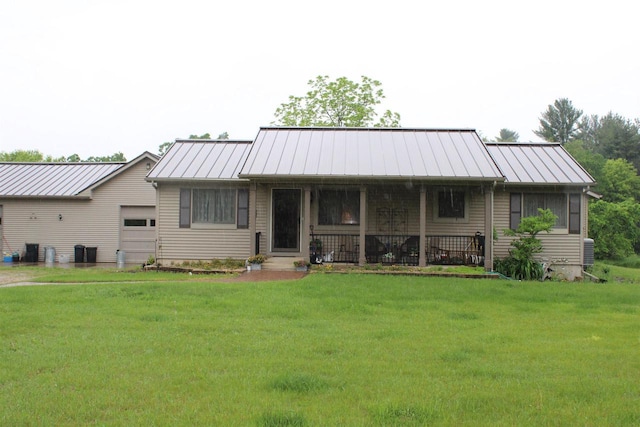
[{"x": 98, "y": 77}]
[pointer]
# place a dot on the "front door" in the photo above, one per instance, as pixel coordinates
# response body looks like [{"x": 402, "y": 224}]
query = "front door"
[{"x": 286, "y": 220}]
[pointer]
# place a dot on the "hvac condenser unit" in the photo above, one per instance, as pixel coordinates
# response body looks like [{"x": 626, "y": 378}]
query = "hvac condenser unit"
[{"x": 588, "y": 258}]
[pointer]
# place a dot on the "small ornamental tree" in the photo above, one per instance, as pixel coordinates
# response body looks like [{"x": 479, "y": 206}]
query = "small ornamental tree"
[{"x": 521, "y": 264}]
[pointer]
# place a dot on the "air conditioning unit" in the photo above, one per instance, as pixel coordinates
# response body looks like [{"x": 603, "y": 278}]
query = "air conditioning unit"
[{"x": 589, "y": 257}]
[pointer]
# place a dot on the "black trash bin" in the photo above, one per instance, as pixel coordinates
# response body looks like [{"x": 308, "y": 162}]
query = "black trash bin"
[
  {"x": 31, "y": 255},
  {"x": 79, "y": 253},
  {"x": 92, "y": 253}
]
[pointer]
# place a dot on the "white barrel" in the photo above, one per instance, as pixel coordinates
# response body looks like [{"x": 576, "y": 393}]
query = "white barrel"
[
  {"x": 49, "y": 254},
  {"x": 120, "y": 258},
  {"x": 63, "y": 258}
]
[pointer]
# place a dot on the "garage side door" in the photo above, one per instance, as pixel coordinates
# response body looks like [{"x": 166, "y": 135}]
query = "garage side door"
[{"x": 138, "y": 232}]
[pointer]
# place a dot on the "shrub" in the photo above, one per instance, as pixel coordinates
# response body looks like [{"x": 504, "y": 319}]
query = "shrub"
[{"x": 521, "y": 264}]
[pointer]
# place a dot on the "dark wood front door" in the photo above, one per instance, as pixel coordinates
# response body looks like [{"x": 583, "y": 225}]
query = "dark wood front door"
[{"x": 286, "y": 220}]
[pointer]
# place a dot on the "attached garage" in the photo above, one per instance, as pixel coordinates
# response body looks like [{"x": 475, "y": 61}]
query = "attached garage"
[
  {"x": 64, "y": 205},
  {"x": 138, "y": 232}
]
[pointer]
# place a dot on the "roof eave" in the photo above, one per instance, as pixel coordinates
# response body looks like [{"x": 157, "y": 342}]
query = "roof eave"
[{"x": 372, "y": 177}]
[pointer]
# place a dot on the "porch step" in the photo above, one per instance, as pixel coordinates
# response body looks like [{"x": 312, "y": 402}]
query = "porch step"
[{"x": 280, "y": 263}]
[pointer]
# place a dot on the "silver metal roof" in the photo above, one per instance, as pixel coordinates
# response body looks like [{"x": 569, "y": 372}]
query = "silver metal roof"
[
  {"x": 51, "y": 179},
  {"x": 370, "y": 153},
  {"x": 538, "y": 163},
  {"x": 201, "y": 160}
]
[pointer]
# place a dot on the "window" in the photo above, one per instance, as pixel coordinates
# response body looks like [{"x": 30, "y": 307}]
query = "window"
[
  {"x": 214, "y": 206},
  {"x": 338, "y": 207},
  {"x": 135, "y": 222},
  {"x": 185, "y": 208},
  {"x": 451, "y": 204},
  {"x": 219, "y": 206},
  {"x": 515, "y": 210},
  {"x": 243, "y": 208},
  {"x": 152, "y": 223},
  {"x": 574, "y": 213},
  {"x": 557, "y": 203}
]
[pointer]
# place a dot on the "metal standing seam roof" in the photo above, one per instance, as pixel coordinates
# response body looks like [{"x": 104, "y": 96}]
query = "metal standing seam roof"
[
  {"x": 201, "y": 160},
  {"x": 51, "y": 179},
  {"x": 370, "y": 153},
  {"x": 541, "y": 163}
]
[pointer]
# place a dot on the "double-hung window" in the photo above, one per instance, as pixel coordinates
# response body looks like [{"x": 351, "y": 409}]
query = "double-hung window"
[
  {"x": 565, "y": 207},
  {"x": 451, "y": 205},
  {"x": 214, "y": 206},
  {"x": 338, "y": 207}
]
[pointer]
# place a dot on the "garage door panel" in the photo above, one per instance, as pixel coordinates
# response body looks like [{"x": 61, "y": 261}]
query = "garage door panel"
[{"x": 138, "y": 232}]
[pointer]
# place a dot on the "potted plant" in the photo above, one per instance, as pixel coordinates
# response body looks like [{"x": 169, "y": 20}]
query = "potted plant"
[
  {"x": 301, "y": 265},
  {"x": 255, "y": 261},
  {"x": 388, "y": 258}
]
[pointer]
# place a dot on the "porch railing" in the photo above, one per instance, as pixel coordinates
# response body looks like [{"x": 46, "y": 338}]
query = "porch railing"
[{"x": 397, "y": 249}]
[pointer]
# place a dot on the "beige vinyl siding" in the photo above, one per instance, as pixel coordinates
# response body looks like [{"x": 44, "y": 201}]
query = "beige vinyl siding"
[
  {"x": 558, "y": 247},
  {"x": 91, "y": 222},
  {"x": 195, "y": 243},
  {"x": 262, "y": 216},
  {"x": 475, "y": 222}
]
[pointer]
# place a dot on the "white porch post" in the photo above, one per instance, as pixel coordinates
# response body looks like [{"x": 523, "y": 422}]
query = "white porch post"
[
  {"x": 488, "y": 228},
  {"x": 362, "y": 259},
  {"x": 306, "y": 222},
  {"x": 422, "y": 260},
  {"x": 253, "y": 213}
]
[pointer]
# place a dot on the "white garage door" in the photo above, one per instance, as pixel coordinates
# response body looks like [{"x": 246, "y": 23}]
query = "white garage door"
[{"x": 138, "y": 232}]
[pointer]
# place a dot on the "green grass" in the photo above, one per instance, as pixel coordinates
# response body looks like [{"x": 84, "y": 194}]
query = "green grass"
[
  {"x": 326, "y": 350},
  {"x": 103, "y": 275}
]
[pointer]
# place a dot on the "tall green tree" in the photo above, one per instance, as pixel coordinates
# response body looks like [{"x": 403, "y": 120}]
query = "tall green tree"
[
  {"x": 619, "y": 181},
  {"x": 559, "y": 123},
  {"x": 507, "y": 135},
  {"x": 614, "y": 227},
  {"x": 613, "y": 136},
  {"x": 337, "y": 103},
  {"x": 593, "y": 162}
]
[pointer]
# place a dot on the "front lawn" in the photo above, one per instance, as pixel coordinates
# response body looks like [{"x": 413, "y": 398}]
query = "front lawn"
[{"x": 325, "y": 350}]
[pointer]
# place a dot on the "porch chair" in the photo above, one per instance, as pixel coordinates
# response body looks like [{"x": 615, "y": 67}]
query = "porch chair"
[
  {"x": 410, "y": 248},
  {"x": 436, "y": 254},
  {"x": 373, "y": 248},
  {"x": 349, "y": 250}
]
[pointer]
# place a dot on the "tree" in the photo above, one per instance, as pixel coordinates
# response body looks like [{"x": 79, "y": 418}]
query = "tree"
[
  {"x": 559, "y": 123},
  {"x": 593, "y": 162},
  {"x": 613, "y": 136},
  {"x": 22, "y": 156},
  {"x": 614, "y": 227},
  {"x": 619, "y": 181},
  {"x": 520, "y": 264},
  {"x": 337, "y": 103},
  {"x": 36, "y": 156},
  {"x": 507, "y": 135},
  {"x": 164, "y": 147},
  {"x": 116, "y": 157}
]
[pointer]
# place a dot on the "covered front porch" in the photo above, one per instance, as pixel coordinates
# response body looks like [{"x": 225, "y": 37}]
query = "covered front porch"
[
  {"x": 397, "y": 249},
  {"x": 392, "y": 224}
]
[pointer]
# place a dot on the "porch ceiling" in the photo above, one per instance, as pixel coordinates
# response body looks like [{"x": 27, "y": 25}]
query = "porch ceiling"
[{"x": 375, "y": 153}]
